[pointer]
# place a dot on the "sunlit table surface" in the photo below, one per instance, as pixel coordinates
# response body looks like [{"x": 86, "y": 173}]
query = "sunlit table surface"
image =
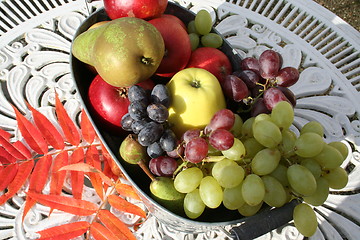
[{"x": 35, "y": 40}]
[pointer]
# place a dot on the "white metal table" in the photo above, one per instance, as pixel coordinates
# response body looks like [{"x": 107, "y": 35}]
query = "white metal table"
[{"x": 35, "y": 39}]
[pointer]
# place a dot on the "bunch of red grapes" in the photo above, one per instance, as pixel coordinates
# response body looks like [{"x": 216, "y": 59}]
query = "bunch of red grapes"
[{"x": 261, "y": 83}]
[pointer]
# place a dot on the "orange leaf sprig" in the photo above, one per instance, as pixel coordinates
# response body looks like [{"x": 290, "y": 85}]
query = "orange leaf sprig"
[{"x": 47, "y": 152}]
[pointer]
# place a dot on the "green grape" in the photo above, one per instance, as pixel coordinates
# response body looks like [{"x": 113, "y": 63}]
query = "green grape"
[
  {"x": 236, "y": 152},
  {"x": 265, "y": 161},
  {"x": 321, "y": 193},
  {"x": 313, "y": 166},
  {"x": 233, "y": 198},
  {"x": 203, "y": 22},
  {"x": 260, "y": 117},
  {"x": 252, "y": 147},
  {"x": 253, "y": 189},
  {"x": 329, "y": 157},
  {"x": 246, "y": 128},
  {"x": 236, "y": 128},
  {"x": 212, "y": 40},
  {"x": 191, "y": 27},
  {"x": 228, "y": 173},
  {"x": 275, "y": 194},
  {"x": 247, "y": 210},
  {"x": 341, "y": 147},
  {"x": 305, "y": 219},
  {"x": 194, "y": 40},
  {"x": 286, "y": 147},
  {"x": 188, "y": 180},
  {"x": 280, "y": 174},
  {"x": 314, "y": 127},
  {"x": 309, "y": 145},
  {"x": 337, "y": 178},
  {"x": 282, "y": 114},
  {"x": 193, "y": 205},
  {"x": 211, "y": 192},
  {"x": 267, "y": 133},
  {"x": 301, "y": 180}
]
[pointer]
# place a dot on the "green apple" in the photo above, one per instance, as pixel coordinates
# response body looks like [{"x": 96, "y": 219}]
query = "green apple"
[{"x": 196, "y": 96}]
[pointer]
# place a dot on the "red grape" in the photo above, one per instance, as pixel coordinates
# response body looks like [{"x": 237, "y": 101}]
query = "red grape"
[
  {"x": 196, "y": 150},
  {"x": 249, "y": 77},
  {"x": 163, "y": 166},
  {"x": 222, "y": 119},
  {"x": 288, "y": 94},
  {"x": 235, "y": 88},
  {"x": 250, "y": 63},
  {"x": 177, "y": 152},
  {"x": 259, "y": 107},
  {"x": 287, "y": 76},
  {"x": 272, "y": 96},
  {"x": 221, "y": 139},
  {"x": 270, "y": 64},
  {"x": 190, "y": 134}
]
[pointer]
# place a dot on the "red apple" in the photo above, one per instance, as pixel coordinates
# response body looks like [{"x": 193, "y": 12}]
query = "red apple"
[
  {"x": 175, "y": 19},
  {"x": 177, "y": 44},
  {"x": 212, "y": 60},
  {"x": 109, "y": 104},
  {"x": 145, "y": 9}
]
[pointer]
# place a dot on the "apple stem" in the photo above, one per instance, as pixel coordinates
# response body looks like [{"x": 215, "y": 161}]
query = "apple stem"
[
  {"x": 195, "y": 84},
  {"x": 146, "y": 170},
  {"x": 146, "y": 61}
]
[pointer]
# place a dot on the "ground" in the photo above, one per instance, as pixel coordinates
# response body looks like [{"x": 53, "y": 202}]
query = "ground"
[{"x": 348, "y": 10}]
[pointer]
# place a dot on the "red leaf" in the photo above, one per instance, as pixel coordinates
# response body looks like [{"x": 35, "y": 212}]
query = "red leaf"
[
  {"x": 24, "y": 170},
  {"x": 4, "y": 134},
  {"x": 7, "y": 174},
  {"x": 66, "y": 204},
  {"x": 83, "y": 167},
  {"x": 6, "y": 157},
  {"x": 110, "y": 161},
  {"x": 31, "y": 134},
  {"x": 99, "y": 232},
  {"x": 116, "y": 226},
  {"x": 121, "y": 204},
  {"x": 37, "y": 180},
  {"x": 93, "y": 159},
  {"x": 87, "y": 129},
  {"x": 65, "y": 232},
  {"x": 69, "y": 128},
  {"x": 10, "y": 148},
  {"x": 23, "y": 149},
  {"x": 126, "y": 190},
  {"x": 58, "y": 178},
  {"x": 40, "y": 174},
  {"x": 49, "y": 131},
  {"x": 77, "y": 177}
]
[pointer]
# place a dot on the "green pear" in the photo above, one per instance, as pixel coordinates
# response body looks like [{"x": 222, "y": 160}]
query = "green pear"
[
  {"x": 164, "y": 192},
  {"x": 124, "y": 51}
]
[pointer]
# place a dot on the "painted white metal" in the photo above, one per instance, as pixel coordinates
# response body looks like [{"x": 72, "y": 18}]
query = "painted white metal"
[{"x": 35, "y": 38}]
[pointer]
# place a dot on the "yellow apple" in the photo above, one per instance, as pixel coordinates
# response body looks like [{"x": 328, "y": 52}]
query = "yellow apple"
[{"x": 196, "y": 96}]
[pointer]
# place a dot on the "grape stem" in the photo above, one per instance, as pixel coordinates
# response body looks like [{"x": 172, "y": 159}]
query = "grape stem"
[{"x": 178, "y": 169}]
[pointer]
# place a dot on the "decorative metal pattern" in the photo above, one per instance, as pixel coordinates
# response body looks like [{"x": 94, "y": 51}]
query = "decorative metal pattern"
[{"x": 35, "y": 39}]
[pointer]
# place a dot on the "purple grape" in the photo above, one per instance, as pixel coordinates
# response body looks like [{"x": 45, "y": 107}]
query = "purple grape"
[
  {"x": 163, "y": 166},
  {"x": 157, "y": 112}
]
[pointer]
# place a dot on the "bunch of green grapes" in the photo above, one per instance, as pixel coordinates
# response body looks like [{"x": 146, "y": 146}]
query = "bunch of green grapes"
[
  {"x": 200, "y": 33},
  {"x": 260, "y": 161}
]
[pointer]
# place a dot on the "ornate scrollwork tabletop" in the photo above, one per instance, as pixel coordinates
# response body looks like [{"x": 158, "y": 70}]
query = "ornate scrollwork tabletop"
[{"x": 35, "y": 40}]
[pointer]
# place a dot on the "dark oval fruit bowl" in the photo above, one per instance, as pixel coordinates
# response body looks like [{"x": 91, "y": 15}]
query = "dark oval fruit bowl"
[{"x": 261, "y": 223}]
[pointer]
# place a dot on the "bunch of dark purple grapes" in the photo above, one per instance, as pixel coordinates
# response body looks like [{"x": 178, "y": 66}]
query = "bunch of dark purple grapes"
[
  {"x": 147, "y": 118},
  {"x": 261, "y": 83}
]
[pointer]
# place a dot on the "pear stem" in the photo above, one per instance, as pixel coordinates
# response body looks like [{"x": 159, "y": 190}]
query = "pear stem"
[{"x": 143, "y": 166}]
